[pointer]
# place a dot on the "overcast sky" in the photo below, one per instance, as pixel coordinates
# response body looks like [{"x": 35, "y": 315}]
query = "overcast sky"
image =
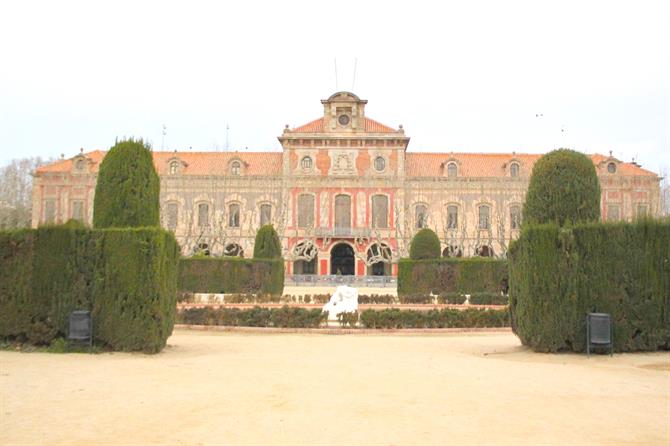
[{"x": 460, "y": 76}]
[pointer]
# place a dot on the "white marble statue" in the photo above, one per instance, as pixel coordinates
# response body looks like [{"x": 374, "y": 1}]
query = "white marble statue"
[{"x": 343, "y": 300}]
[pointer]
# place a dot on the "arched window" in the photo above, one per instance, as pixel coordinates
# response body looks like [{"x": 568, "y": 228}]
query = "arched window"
[
  {"x": 174, "y": 167},
  {"x": 452, "y": 217},
  {"x": 235, "y": 168},
  {"x": 452, "y": 251},
  {"x": 203, "y": 214},
  {"x": 306, "y": 163},
  {"x": 380, "y": 164},
  {"x": 514, "y": 170},
  {"x": 452, "y": 170},
  {"x": 515, "y": 217},
  {"x": 380, "y": 211},
  {"x": 203, "y": 249},
  {"x": 342, "y": 211},
  {"x": 484, "y": 217},
  {"x": 307, "y": 253},
  {"x": 306, "y": 211},
  {"x": 80, "y": 165},
  {"x": 421, "y": 216},
  {"x": 234, "y": 215},
  {"x": 379, "y": 259},
  {"x": 266, "y": 214},
  {"x": 171, "y": 215},
  {"x": 233, "y": 250},
  {"x": 484, "y": 251},
  {"x": 611, "y": 168}
]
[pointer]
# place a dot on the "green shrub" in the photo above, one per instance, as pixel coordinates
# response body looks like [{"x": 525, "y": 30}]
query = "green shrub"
[
  {"x": 387, "y": 299},
  {"x": 488, "y": 299},
  {"x": 231, "y": 275},
  {"x": 559, "y": 275},
  {"x": 451, "y": 275},
  {"x": 348, "y": 319},
  {"x": 451, "y": 298},
  {"x": 564, "y": 188},
  {"x": 267, "y": 244},
  {"x": 446, "y": 318},
  {"x": 127, "y": 278},
  {"x": 425, "y": 245},
  {"x": 290, "y": 317},
  {"x": 128, "y": 188},
  {"x": 419, "y": 299}
]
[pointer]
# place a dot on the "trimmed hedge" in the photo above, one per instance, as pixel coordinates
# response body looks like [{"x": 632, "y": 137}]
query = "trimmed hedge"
[
  {"x": 559, "y": 275},
  {"x": 424, "y": 245},
  {"x": 285, "y": 316},
  {"x": 452, "y": 275},
  {"x": 446, "y": 318},
  {"x": 127, "y": 190},
  {"x": 231, "y": 275},
  {"x": 126, "y": 277},
  {"x": 293, "y": 317},
  {"x": 563, "y": 189}
]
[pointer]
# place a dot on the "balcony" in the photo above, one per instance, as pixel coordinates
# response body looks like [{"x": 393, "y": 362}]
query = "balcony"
[
  {"x": 334, "y": 280},
  {"x": 341, "y": 232}
]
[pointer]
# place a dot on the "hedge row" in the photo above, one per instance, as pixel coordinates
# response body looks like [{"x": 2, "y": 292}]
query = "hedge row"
[
  {"x": 126, "y": 277},
  {"x": 285, "y": 316},
  {"x": 559, "y": 275},
  {"x": 231, "y": 275},
  {"x": 302, "y": 318},
  {"x": 446, "y": 318},
  {"x": 449, "y": 275}
]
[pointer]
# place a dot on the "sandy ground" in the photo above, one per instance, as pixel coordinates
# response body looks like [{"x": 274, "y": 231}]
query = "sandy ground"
[{"x": 292, "y": 389}]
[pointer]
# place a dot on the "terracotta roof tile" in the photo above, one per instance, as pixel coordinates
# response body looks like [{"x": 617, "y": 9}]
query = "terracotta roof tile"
[
  {"x": 195, "y": 163},
  {"x": 492, "y": 164},
  {"x": 317, "y": 126}
]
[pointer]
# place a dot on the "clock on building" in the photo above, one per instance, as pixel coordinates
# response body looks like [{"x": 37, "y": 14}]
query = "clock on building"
[{"x": 343, "y": 120}]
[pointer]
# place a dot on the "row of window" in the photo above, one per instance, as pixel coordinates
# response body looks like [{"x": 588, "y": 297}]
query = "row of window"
[
  {"x": 306, "y": 163},
  {"x": 235, "y": 167},
  {"x": 76, "y": 210},
  {"x": 203, "y": 216},
  {"x": 484, "y": 216},
  {"x": 452, "y": 169},
  {"x": 306, "y": 207}
]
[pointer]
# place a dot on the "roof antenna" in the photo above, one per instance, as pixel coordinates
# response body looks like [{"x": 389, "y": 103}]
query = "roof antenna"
[
  {"x": 336, "y": 74},
  {"x": 163, "y": 140},
  {"x": 353, "y": 82},
  {"x": 227, "y": 142}
]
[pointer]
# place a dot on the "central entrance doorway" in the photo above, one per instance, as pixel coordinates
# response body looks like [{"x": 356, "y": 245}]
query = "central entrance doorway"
[{"x": 342, "y": 260}]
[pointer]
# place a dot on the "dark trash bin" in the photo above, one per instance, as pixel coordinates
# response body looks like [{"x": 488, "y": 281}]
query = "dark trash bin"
[
  {"x": 599, "y": 331},
  {"x": 81, "y": 327}
]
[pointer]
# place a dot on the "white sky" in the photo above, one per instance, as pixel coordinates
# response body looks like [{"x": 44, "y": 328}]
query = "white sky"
[{"x": 460, "y": 76}]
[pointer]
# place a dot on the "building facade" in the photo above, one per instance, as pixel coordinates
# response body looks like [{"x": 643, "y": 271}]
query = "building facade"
[{"x": 345, "y": 195}]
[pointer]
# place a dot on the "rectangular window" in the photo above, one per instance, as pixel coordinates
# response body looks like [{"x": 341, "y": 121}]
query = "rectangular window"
[
  {"x": 234, "y": 215},
  {"x": 50, "y": 211},
  {"x": 342, "y": 211},
  {"x": 306, "y": 211},
  {"x": 613, "y": 212},
  {"x": 452, "y": 217},
  {"x": 484, "y": 217},
  {"x": 78, "y": 210},
  {"x": 266, "y": 214},
  {"x": 380, "y": 211},
  {"x": 203, "y": 214},
  {"x": 172, "y": 215},
  {"x": 515, "y": 217},
  {"x": 642, "y": 210},
  {"x": 421, "y": 216}
]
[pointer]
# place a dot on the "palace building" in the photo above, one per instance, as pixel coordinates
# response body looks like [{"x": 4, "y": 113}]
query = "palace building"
[{"x": 345, "y": 195}]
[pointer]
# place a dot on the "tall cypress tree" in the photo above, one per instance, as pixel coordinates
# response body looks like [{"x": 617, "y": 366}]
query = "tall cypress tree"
[
  {"x": 563, "y": 189},
  {"x": 128, "y": 188},
  {"x": 267, "y": 244}
]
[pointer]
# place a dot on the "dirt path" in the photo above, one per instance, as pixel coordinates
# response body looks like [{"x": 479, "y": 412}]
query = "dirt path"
[{"x": 292, "y": 389}]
